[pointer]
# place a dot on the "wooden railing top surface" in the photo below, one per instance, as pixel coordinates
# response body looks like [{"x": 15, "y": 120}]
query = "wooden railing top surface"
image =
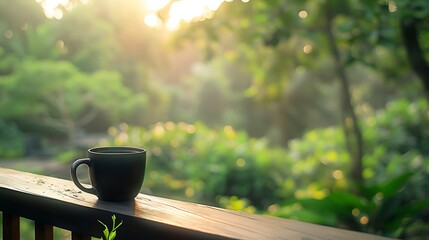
[{"x": 58, "y": 202}]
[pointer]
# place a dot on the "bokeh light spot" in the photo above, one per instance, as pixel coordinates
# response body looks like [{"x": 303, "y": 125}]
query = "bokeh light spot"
[
  {"x": 191, "y": 129},
  {"x": 355, "y": 212},
  {"x": 240, "y": 162},
  {"x": 170, "y": 126},
  {"x": 338, "y": 174},
  {"x": 307, "y": 48},
  {"x": 392, "y": 6},
  {"x": 229, "y": 131},
  {"x": 189, "y": 192},
  {"x": 379, "y": 196},
  {"x": 8, "y": 34},
  {"x": 364, "y": 220},
  {"x": 273, "y": 208},
  {"x": 303, "y": 14}
]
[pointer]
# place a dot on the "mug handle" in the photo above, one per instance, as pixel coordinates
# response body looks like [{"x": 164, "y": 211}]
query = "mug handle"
[{"x": 73, "y": 169}]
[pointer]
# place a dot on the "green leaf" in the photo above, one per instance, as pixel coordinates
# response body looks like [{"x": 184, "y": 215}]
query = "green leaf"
[
  {"x": 112, "y": 235},
  {"x": 106, "y": 233},
  {"x": 114, "y": 229},
  {"x": 393, "y": 186}
]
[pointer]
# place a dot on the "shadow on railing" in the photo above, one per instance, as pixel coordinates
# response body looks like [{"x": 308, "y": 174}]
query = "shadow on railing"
[{"x": 55, "y": 202}]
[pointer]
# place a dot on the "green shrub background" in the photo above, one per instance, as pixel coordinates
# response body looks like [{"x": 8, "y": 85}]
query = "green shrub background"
[{"x": 227, "y": 168}]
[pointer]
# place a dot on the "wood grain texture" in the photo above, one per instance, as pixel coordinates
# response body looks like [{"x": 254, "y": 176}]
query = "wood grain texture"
[{"x": 58, "y": 202}]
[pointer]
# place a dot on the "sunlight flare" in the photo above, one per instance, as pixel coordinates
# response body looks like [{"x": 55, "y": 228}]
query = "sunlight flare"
[
  {"x": 151, "y": 20},
  {"x": 177, "y": 11},
  {"x": 183, "y": 11},
  {"x": 154, "y": 6},
  {"x": 54, "y": 9}
]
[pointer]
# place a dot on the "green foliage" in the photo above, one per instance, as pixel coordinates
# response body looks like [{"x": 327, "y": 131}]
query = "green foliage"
[
  {"x": 198, "y": 163},
  {"x": 393, "y": 199},
  {"x": 92, "y": 45},
  {"x": 12, "y": 142},
  {"x": 107, "y": 233},
  {"x": 307, "y": 181},
  {"x": 270, "y": 74},
  {"x": 236, "y": 204},
  {"x": 397, "y": 141},
  {"x": 68, "y": 156},
  {"x": 381, "y": 209},
  {"x": 58, "y": 95},
  {"x": 320, "y": 158}
]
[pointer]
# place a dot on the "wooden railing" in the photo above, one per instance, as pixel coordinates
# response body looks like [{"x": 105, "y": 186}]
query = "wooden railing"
[{"x": 55, "y": 202}]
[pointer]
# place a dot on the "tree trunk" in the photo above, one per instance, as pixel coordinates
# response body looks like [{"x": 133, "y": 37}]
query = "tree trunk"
[
  {"x": 420, "y": 66},
  {"x": 352, "y": 131}
]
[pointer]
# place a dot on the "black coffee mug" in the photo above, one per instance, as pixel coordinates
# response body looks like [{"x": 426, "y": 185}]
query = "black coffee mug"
[{"x": 116, "y": 173}]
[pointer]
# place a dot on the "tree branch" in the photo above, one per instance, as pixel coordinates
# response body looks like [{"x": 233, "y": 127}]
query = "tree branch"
[
  {"x": 352, "y": 131},
  {"x": 410, "y": 35}
]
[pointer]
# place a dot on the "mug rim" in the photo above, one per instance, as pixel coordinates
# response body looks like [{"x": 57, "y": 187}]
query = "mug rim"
[{"x": 132, "y": 148}]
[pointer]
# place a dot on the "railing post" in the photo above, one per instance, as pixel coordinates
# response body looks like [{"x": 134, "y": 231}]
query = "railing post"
[
  {"x": 10, "y": 227},
  {"x": 43, "y": 231}
]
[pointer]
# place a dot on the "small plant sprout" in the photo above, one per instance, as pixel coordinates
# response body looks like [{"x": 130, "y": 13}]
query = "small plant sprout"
[{"x": 110, "y": 234}]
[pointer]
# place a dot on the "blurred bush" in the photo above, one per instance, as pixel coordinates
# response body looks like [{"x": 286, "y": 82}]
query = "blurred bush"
[
  {"x": 12, "y": 141},
  {"x": 308, "y": 180},
  {"x": 197, "y": 163},
  {"x": 381, "y": 209},
  {"x": 397, "y": 141},
  {"x": 393, "y": 200}
]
